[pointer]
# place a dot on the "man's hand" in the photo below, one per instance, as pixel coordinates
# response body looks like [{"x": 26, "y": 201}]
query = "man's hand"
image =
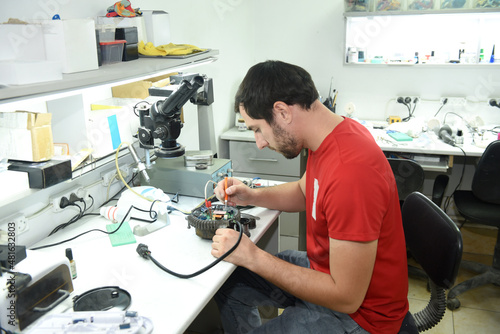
[
  {"x": 225, "y": 238},
  {"x": 237, "y": 192}
]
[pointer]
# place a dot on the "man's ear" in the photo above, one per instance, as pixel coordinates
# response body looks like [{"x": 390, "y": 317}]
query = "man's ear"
[{"x": 282, "y": 112}]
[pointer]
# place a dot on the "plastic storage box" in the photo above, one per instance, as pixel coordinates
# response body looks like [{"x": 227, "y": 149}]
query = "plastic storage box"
[
  {"x": 106, "y": 32},
  {"x": 423, "y": 4},
  {"x": 357, "y": 5},
  {"x": 112, "y": 52},
  {"x": 389, "y": 5},
  {"x": 455, "y": 4},
  {"x": 486, "y": 4}
]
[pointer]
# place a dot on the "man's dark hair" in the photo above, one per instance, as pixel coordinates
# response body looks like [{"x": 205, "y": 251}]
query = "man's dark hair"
[{"x": 271, "y": 81}]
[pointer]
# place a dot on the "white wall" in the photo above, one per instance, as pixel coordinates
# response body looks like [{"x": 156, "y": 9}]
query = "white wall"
[{"x": 308, "y": 33}]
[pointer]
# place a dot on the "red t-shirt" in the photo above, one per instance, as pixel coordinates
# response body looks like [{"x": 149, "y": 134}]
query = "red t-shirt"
[{"x": 352, "y": 195}]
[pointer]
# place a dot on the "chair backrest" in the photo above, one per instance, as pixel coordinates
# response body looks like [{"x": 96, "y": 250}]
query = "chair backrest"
[
  {"x": 433, "y": 239},
  {"x": 439, "y": 188},
  {"x": 409, "y": 176},
  {"x": 436, "y": 244},
  {"x": 486, "y": 181}
]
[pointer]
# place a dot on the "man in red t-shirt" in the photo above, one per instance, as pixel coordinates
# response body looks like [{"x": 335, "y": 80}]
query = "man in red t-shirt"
[{"x": 353, "y": 278}]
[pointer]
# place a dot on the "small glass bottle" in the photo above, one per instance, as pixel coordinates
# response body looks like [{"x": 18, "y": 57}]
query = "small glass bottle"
[
  {"x": 72, "y": 264},
  {"x": 459, "y": 140},
  {"x": 241, "y": 125}
]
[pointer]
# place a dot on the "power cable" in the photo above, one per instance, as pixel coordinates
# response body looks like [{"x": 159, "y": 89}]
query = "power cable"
[{"x": 144, "y": 251}]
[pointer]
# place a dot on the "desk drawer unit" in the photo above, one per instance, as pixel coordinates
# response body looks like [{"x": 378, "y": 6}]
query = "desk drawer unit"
[{"x": 248, "y": 158}]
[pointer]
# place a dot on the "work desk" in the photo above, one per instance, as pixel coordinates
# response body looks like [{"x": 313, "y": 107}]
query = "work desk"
[
  {"x": 170, "y": 303},
  {"x": 424, "y": 144},
  {"x": 427, "y": 144}
]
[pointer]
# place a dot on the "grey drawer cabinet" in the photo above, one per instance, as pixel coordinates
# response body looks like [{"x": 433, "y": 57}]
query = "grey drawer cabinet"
[{"x": 248, "y": 158}]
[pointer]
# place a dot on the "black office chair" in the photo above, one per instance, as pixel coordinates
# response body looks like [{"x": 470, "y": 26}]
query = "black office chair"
[
  {"x": 436, "y": 243},
  {"x": 409, "y": 176},
  {"x": 481, "y": 205},
  {"x": 439, "y": 188}
]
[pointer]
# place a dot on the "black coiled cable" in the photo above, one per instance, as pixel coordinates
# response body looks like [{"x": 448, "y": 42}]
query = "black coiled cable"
[{"x": 144, "y": 251}]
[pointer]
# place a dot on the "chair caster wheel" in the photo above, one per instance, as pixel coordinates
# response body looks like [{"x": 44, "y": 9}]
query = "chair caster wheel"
[{"x": 453, "y": 304}]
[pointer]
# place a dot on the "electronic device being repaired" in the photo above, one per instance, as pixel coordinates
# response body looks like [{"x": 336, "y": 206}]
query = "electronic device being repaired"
[
  {"x": 37, "y": 285},
  {"x": 206, "y": 220}
]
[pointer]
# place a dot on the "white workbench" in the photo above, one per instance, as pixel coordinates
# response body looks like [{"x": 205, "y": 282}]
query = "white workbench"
[{"x": 171, "y": 303}]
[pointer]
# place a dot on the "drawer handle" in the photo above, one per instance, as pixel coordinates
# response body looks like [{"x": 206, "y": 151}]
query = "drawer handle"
[{"x": 260, "y": 159}]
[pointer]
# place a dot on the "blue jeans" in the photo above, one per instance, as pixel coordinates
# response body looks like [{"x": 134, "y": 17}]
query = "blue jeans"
[{"x": 244, "y": 290}]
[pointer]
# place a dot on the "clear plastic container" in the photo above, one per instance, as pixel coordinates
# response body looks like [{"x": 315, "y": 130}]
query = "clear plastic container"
[
  {"x": 112, "y": 52},
  {"x": 106, "y": 32},
  {"x": 357, "y": 5},
  {"x": 486, "y": 4},
  {"x": 389, "y": 5},
  {"x": 422, "y": 4},
  {"x": 456, "y": 4}
]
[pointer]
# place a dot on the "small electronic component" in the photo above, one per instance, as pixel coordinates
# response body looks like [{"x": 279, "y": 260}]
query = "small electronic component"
[
  {"x": 207, "y": 219},
  {"x": 394, "y": 119}
]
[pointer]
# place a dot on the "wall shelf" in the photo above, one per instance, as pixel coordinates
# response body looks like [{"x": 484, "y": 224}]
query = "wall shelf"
[
  {"x": 443, "y": 65},
  {"x": 453, "y": 35},
  {"x": 422, "y": 12},
  {"x": 107, "y": 74}
]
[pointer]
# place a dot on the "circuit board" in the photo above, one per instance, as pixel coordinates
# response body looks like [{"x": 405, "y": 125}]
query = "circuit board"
[{"x": 206, "y": 220}]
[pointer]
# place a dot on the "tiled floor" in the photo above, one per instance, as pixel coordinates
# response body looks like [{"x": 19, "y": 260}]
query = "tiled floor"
[{"x": 480, "y": 308}]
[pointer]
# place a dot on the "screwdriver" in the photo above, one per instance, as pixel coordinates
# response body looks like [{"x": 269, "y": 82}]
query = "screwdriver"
[{"x": 225, "y": 193}]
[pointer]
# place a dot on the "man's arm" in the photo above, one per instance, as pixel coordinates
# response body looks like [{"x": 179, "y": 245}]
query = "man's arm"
[
  {"x": 288, "y": 197},
  {"x": 343, "y": 290}
]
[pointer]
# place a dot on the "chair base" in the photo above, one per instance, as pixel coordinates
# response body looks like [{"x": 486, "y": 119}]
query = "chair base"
[{"x": 488, "y": 275}]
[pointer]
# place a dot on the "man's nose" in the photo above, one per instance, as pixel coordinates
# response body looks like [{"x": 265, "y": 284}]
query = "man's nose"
[{"x": 260, "y": 142}]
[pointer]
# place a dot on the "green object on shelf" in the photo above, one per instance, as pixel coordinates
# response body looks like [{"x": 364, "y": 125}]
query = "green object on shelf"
[{"x": 399, "y": 136}]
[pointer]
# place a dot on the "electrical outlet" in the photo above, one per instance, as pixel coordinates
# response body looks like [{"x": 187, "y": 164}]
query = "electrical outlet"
[
  {"x": 55, "y": 200},
  {"x": 454, "y": 101},
  {"x": 14, "y": 225},
  {"x": 111, "y": 176},
  {"x": 410, "y": 98}
]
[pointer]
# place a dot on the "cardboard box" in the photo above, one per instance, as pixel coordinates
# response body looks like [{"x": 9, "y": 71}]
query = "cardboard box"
[
  {"x": 43, "y": 174},
  {"x": 22, "y": 42},
  {"x": 72, "y": 42},
  {"x": 26, "y": 136},
  {"x": 157, "y": 27},
  {"x": 140, "y": 89}
]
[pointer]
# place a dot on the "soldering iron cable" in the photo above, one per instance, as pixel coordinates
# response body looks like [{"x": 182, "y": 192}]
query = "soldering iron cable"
[{"x": 143, "y": 251}]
